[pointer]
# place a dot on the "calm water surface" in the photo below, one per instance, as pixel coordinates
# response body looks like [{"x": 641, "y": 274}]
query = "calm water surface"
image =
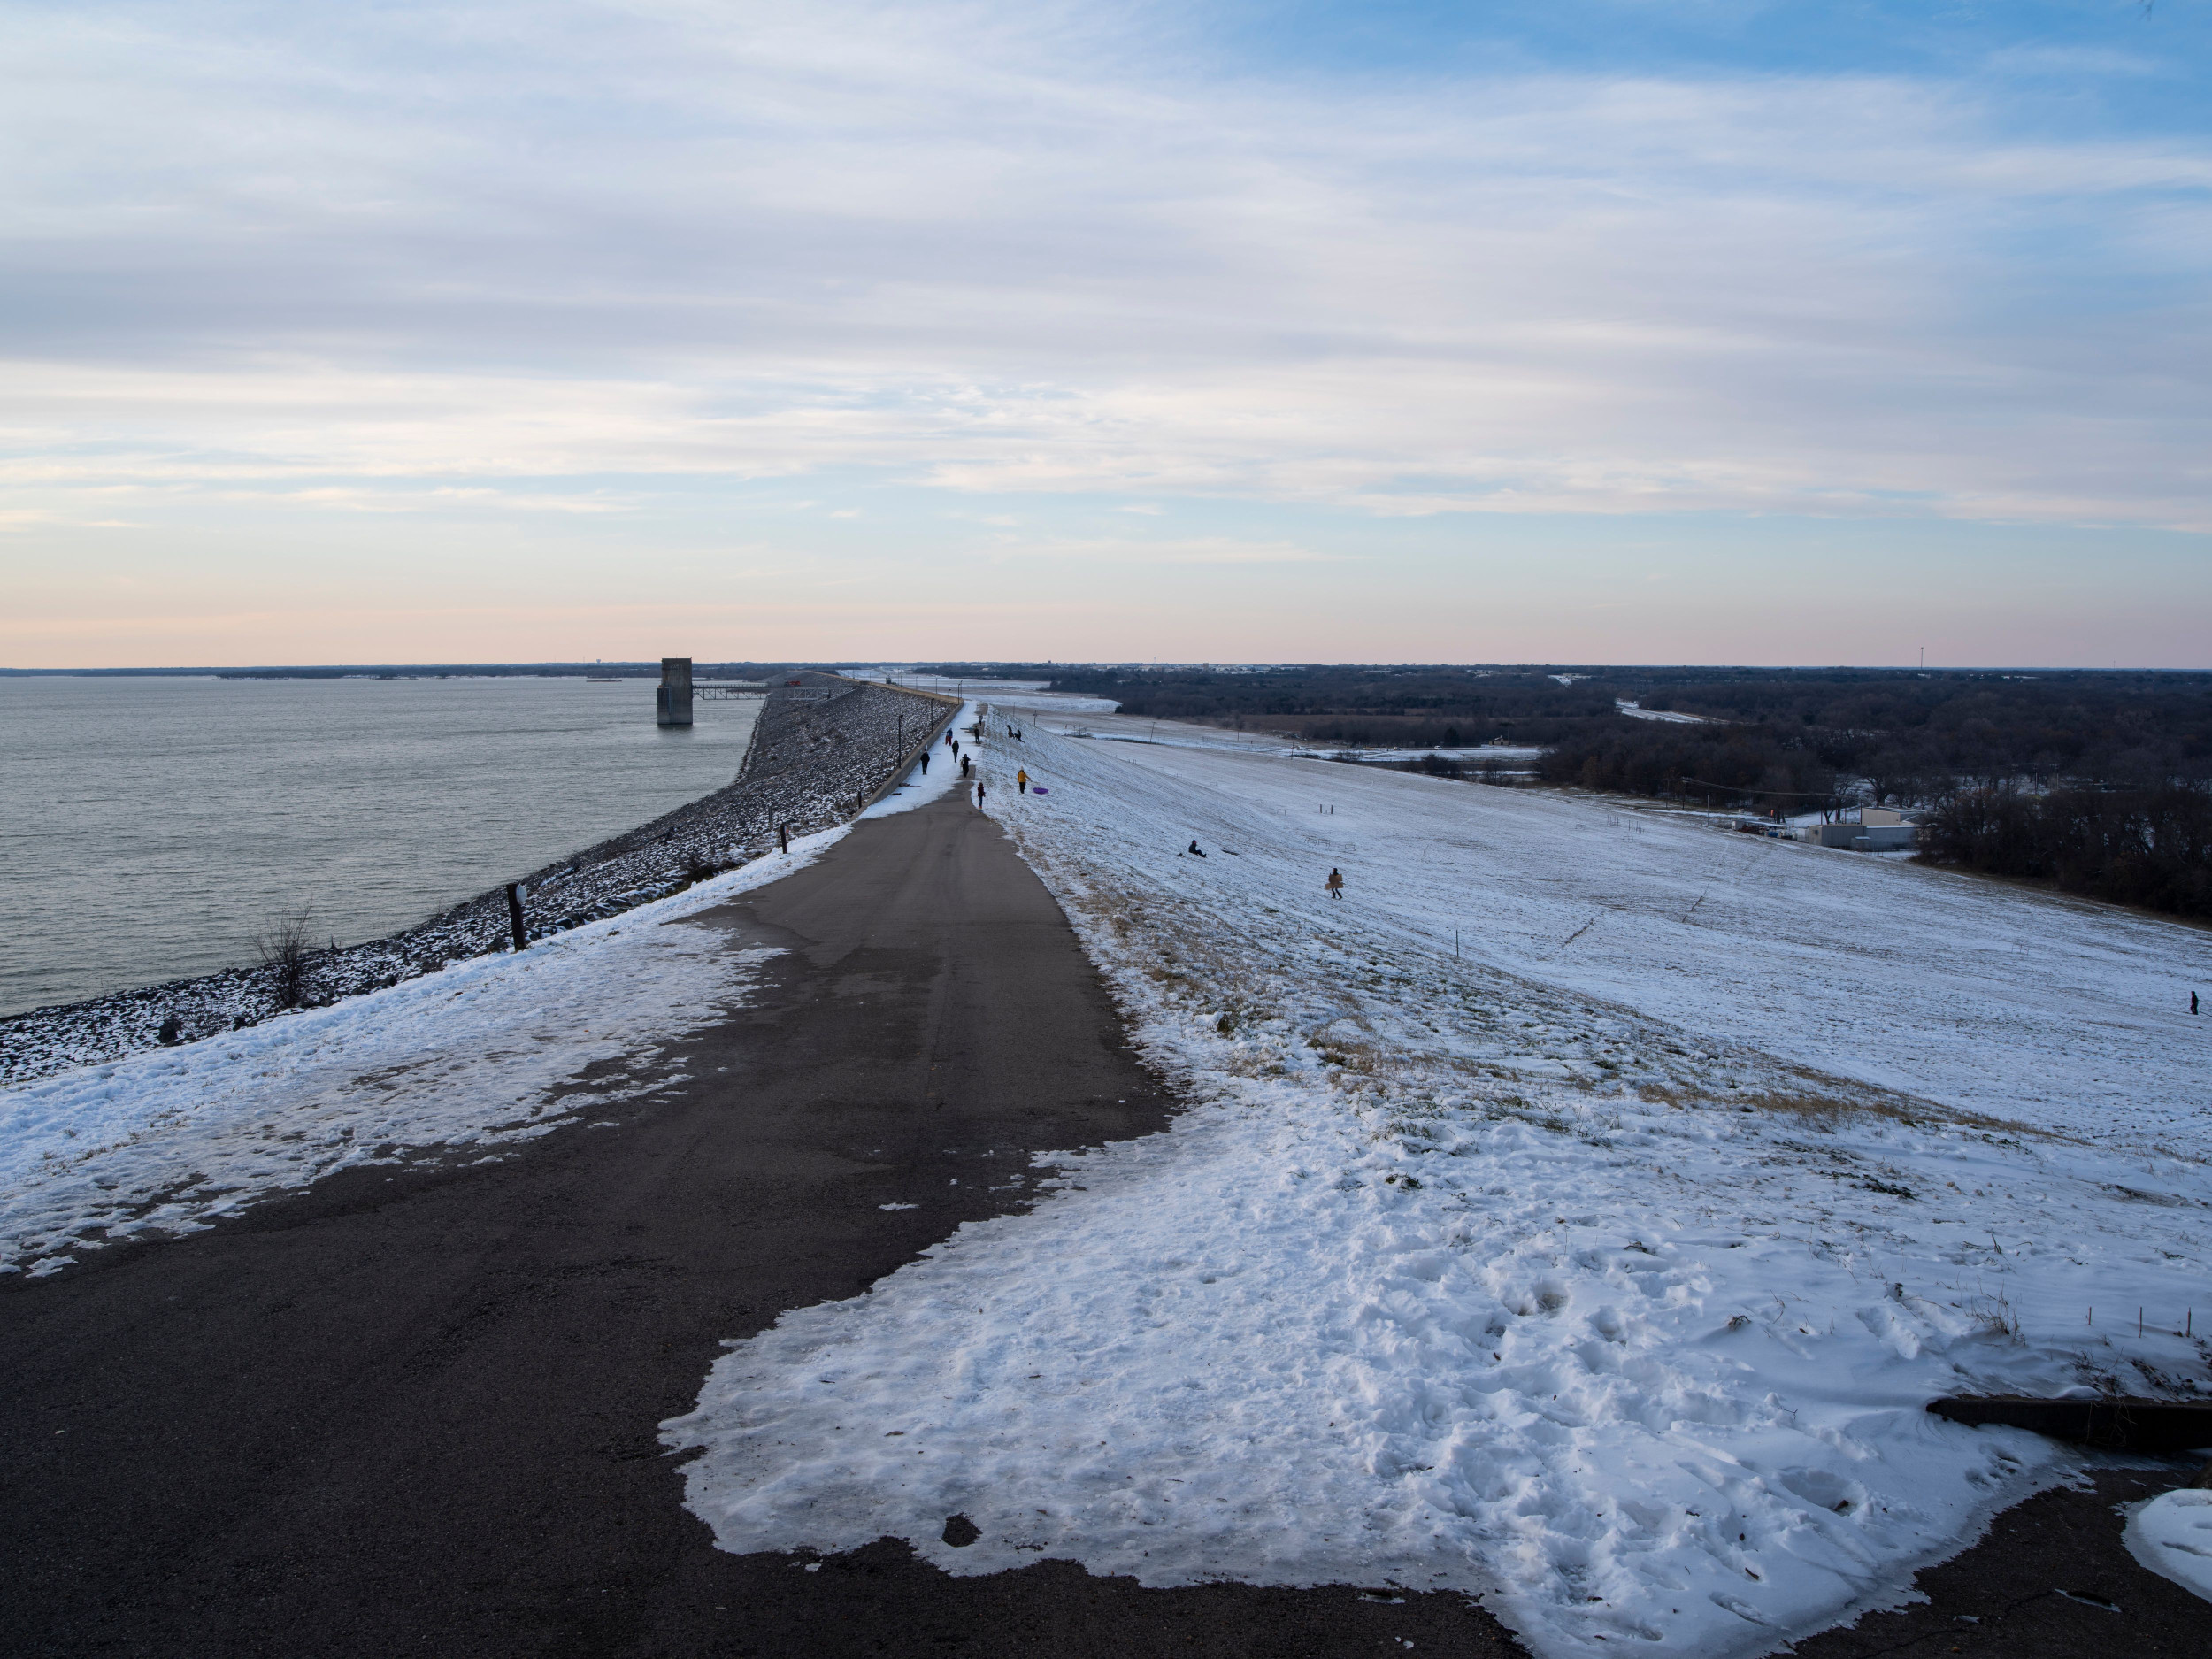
[{"x": 148, "y": 828}]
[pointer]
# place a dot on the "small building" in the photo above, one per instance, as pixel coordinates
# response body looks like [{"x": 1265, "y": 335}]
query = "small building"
[{"x": 1867, "y": 829}]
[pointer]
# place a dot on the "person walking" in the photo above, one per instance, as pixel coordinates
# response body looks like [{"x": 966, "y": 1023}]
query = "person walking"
[
  {"x": 1021, "y": 780},
  {"x": 924, "y": 762},
  {"x": 1336, "y": 883},
  {"x": 978, "y": 794},
  {"x": 966, "y": 760}
]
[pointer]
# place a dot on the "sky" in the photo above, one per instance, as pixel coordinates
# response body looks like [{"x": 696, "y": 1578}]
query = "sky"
[{"x": 1710, "y": 330}]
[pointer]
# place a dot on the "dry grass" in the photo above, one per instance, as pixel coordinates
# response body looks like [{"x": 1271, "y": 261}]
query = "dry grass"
[{"x": 1825, "y": 1102}]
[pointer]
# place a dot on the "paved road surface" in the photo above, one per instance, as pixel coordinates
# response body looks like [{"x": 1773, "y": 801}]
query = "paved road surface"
[{"x": 416, "y": 1415}]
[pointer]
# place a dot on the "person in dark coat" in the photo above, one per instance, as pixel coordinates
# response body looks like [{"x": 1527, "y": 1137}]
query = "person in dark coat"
[
  {"x": 978, "y": 792},
  {"x": 966, "y": 760},
  {"x": 1336, "y": 883},
  {"x": 924, "y": 762},
  {"x": 1193, "y": 847}
]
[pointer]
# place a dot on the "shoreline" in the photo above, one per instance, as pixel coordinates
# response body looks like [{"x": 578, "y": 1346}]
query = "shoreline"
[{"x": 807, "y": 764}]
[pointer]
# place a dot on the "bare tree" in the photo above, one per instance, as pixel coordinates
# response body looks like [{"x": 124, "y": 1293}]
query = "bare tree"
[{"x": 284, "y": 947}]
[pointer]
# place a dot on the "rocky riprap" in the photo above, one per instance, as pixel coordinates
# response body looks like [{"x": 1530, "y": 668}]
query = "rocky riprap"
[{"x": 811, "y": 763}]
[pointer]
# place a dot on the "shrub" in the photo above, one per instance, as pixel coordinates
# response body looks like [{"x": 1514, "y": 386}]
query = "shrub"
[{"x": 284, "y": 947}]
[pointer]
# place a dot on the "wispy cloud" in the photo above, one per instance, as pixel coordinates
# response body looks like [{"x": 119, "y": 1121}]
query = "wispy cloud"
[{"x": 1119, "y": 550}]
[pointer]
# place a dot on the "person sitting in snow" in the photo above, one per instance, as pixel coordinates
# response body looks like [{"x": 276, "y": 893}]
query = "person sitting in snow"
[{"x": 1193, "y": 849}]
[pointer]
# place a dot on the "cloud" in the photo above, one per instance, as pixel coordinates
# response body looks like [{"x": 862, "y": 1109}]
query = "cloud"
[
  {"x": 1115, "y": 551},
  {"x": 1003, "y": 250}
]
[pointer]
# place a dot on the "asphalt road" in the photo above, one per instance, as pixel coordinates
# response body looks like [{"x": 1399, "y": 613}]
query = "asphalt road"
[{"x": 417, "y": 1413}]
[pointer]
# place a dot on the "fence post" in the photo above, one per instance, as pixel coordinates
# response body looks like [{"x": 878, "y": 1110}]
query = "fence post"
[{"x": 514, "y": 914}]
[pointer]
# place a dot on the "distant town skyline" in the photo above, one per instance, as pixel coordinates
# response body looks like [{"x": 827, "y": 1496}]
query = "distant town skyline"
[{"x": 1744, "y": 333}]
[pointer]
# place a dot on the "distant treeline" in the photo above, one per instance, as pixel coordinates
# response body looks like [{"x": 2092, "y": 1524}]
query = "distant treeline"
[
  {"x": 1801, "y": 739},
  {"x": 1718, "y": 763},
  {"x": 2151, "y": 846},
  {"x": 1915, "y": 736},
  {"x": 1384, "y": 706},
  {"x": 1802, "y": 736}
]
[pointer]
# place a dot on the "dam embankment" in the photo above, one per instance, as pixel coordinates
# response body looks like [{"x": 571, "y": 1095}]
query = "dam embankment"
[{"x": 813, "y": 759}]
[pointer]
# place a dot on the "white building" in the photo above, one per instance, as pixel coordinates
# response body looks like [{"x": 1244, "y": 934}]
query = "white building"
[{"x": 1867, "y": 829}]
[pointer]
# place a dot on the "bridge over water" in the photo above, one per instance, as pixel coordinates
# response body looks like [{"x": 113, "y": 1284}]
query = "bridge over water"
[{"x": 677, "y": 692}]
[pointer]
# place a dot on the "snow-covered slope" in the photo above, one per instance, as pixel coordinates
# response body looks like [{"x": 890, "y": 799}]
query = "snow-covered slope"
[
  {"x": 1980, "y": 996},
  {"x": 1603, "y": 1268}
]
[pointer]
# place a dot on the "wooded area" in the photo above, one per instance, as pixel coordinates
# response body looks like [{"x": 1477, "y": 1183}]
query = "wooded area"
[{"x": 2101, "y": 782}]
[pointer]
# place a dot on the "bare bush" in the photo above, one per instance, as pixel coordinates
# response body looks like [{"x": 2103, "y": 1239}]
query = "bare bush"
[
  {"x": 700, "y": 866},
  {"x": 285, "y": 947}
]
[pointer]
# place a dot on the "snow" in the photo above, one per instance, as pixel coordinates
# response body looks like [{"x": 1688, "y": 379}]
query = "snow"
[
  {"x": 1009, "y": 694},
  {"x": 2172, "y": 1536},
  {"x": 1637, "y": 712},
  {"x": 1037, "y": 701},
  {"x": 1602, "y": 1268},
  {"x": 919, "y": 788},
  {"x": 462, "y": 1063}
]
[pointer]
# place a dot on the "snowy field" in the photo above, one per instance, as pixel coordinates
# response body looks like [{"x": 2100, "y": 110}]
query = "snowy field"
[
  {"x": 462, "y": 1063},
  {"x": 1011, "y": 693},
  {"x": 1637, "y": 712},
  {"x": 1601, "y": 1265}
]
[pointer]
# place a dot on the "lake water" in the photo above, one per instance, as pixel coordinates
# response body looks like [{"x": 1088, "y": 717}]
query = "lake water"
[{"x": 149, "y": 828}]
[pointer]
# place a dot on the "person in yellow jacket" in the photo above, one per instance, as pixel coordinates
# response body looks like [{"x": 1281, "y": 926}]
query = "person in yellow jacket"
[{"x": 1021, "y": 780}]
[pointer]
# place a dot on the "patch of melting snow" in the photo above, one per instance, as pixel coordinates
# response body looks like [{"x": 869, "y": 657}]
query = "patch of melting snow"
[
  {"x": 1454, "y": 1278},
  {"x": 2172, "y": 1536}
]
